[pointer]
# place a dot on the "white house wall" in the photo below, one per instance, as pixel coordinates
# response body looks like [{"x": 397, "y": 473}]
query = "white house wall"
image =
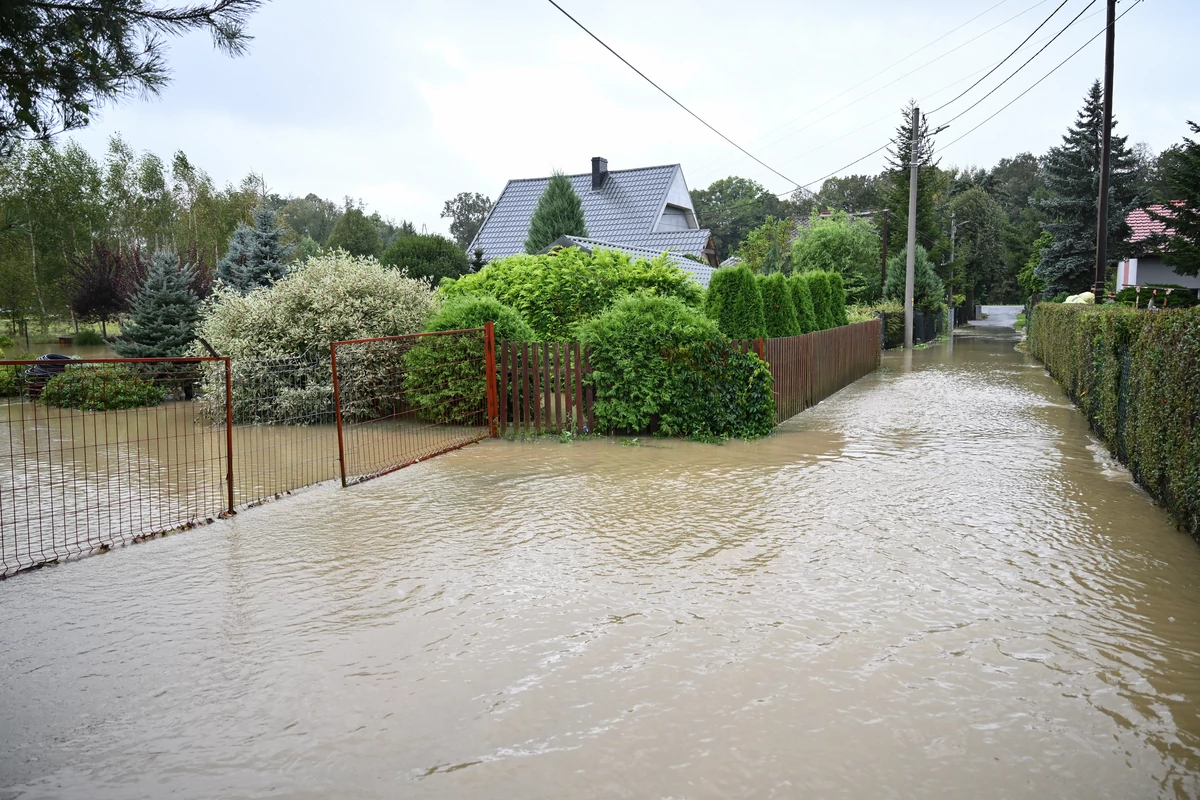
[{"x": 1153, "y": 270}]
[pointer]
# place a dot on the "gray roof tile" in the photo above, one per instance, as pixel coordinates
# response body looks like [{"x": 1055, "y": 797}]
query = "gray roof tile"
[
  {"x": 701, "y": 271},
  {"x": 625, "y": 209}
]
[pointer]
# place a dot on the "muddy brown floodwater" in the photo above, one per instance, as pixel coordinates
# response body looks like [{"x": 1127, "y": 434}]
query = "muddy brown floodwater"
[{"x": 934, "y": 584}]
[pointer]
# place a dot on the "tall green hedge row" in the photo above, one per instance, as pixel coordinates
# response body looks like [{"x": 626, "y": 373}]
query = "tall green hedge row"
[{"x": 1135, "y": 375}]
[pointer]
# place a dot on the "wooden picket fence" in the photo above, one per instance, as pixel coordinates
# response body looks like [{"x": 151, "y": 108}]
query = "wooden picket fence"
[
  {"x": 809, "y": 368},
  {"x": 543, "y": 388}
]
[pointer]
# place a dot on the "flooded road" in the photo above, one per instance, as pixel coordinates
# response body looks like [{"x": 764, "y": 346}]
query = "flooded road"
[{"x": 936, "y": 583}]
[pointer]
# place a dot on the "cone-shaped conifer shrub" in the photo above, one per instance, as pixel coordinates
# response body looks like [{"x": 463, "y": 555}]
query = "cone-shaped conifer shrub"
[
  {"x": 559, "y": 212},
  {"x": 818, "y": 287},
  {"x": 802, "y": 299},
  {"x": 779, "y": 310},
  {"x": 837, "y": 298},
  {"x": 735, "y": 303}
]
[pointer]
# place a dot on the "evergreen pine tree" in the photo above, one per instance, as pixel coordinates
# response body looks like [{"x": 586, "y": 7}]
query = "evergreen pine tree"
[
  {"x": 837, "y": 298},
  {"x": 779, "y": 310},
  {"x": 929, "y": 183},
  {"x": 257, "y": 255},
  {"x": 1073, "y": 179},
  {"x": 818, "y": 287},
  {"x": 165, "y": 312},
  {"x": 559, "y": 212},
  {"x": 802, "y": 299},
  {"x": 734, "y": 302},
  {"x": 1181, "y": 171}
]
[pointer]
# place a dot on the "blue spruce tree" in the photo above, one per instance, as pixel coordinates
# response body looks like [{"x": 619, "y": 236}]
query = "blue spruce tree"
[
  {"x": 165, "y": 312},
  {"x": 257, "y": 255}
]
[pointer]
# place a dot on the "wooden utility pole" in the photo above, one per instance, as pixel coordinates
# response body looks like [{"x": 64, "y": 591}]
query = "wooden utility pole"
[
  {"x": 883, "y": 261},
  {"x": 1105, "y": 155},
  {"x": 910, "y": 264}
]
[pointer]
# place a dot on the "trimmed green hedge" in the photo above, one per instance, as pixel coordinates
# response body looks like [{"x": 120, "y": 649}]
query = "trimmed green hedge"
[{"x": 1135, "y": 375}]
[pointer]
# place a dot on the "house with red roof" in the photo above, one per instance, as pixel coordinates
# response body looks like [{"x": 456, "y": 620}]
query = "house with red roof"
[{"x": 1147, "y": 265}]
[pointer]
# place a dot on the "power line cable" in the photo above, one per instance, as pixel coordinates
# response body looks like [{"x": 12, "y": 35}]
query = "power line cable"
[
  {"x": 1023, "y": 66},
  {"x": 873, "y": 77},
  {"x": 1005, "y": 59},
  {"x": 698, "y": 118},
  {"x": 1039, "y": 80},
  {"x": 704, "y": 168}
]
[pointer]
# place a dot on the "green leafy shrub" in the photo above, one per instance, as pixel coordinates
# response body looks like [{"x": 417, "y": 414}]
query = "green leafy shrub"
[
  {"x": 719, "y": 393},
  {"x": 660, "y": 366},
  {"x": 818, "y": 287},
  {"x": 433, "y": 257},
  {"x": 557, "y": 291},
  {"x": 779, "y": 310},
  {"x": 1176, "y": 299},
  {"x": 893, "y": 320},
  {"x": 1134, "y": 375},
  {"x": 12, "y": 378},
  {"x": 101, "y": 387},
  {"x": 802, "y": 298},
  {"x": 843, "y": 244},
  {"x": 444, "y": 375},
  {"x": 89, "y": 338},
  {"x": 735, "y": 303},
  {"x": 279, "y": 336},
  {"x": 837, "y": 298}
]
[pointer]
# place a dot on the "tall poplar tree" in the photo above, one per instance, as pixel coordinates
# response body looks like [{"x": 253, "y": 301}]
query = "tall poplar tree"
[
  {"x": 1072, "y": 173},
  {"x": 559, "y": 212}
]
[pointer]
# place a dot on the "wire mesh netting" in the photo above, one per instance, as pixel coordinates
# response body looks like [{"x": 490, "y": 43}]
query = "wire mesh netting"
[
  {"x": 95, "y": 453},
  {"x": 406, "y": 398},
  {"x": 284, "y": 436}
]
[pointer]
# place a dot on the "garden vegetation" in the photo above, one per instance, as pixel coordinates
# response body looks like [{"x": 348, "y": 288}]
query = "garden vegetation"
[{"x": 1134, "y": 375}]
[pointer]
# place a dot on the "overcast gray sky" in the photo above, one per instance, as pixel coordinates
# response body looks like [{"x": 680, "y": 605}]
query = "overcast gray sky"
[{"x": 404, "y": 104}]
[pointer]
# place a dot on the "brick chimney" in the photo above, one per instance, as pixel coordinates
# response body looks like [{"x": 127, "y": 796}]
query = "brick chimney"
[{"x": 599, "y": 172}]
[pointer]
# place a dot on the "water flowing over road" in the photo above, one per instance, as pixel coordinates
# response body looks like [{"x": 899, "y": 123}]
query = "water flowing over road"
[{"x": 934, "y": 584}]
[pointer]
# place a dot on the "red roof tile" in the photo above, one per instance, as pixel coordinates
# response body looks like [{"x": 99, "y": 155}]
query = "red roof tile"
[{"x": 1143, "y": 226}]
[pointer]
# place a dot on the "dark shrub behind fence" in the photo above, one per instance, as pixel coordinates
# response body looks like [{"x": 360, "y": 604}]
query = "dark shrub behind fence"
[{"x": 1136, "y": 376}]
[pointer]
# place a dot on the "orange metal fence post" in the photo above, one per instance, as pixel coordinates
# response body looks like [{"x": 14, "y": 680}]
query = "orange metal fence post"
[
  {"x": 229, "y": 435},
  {"x": 337, "y": 410},
  {"x": 489, "y": 355}
]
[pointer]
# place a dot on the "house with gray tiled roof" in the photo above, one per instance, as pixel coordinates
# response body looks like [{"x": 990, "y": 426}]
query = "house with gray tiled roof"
[{"x": 648, "y": 209}]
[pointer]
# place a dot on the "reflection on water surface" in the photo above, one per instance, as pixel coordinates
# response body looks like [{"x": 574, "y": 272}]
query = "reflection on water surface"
[{"x": 933, "y": 584}]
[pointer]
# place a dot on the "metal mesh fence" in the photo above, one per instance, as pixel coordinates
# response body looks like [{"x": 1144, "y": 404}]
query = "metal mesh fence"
[
  {"x": 402, "y": 399},
  {"x": 95, "y": 453}
]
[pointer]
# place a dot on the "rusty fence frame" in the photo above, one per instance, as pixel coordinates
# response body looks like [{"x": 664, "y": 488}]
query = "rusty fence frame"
[
  {"x": 112, "y": 509},
  {"x": 429, "y": 443}
]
